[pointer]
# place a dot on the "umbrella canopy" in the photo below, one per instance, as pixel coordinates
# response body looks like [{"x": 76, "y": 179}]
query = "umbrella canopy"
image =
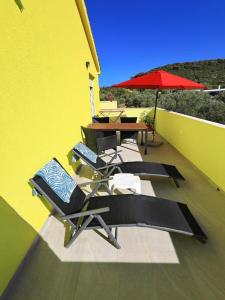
[{"x": 159, "y": 80}]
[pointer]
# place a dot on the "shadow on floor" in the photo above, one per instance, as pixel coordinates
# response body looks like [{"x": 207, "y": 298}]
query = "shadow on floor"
[
  {"x": 199, "y": 275},
  {"x": 45, "y": 277},
  {"x": 16, "y": 238}
]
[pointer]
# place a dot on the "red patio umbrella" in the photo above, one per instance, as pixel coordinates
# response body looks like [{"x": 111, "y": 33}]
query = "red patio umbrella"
[{"x": 159, "y": 80}]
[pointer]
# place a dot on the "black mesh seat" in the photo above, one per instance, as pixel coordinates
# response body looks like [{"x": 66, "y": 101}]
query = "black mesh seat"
[
  {"x": 151, "y": 169},
  {"x": 140, "y": 209},
  {"x": 139, "y": 168},
  {"x": 119, "y": 210},
  {"x": 146, "y": 211}
]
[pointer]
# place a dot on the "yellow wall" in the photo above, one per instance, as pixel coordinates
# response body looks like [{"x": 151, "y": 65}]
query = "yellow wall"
[
  {"x": 200, "y": 141},
  {"x": 44, "y": 98}
]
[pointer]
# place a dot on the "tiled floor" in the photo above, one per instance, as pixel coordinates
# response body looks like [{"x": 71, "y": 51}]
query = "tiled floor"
[{"x": 151, "y": 264}]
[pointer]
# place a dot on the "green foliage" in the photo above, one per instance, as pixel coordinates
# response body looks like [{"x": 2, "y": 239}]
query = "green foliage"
[
  {"x": 220, "y": 97},
  {"x": 147, "y": 117},
  {"x": 209, "y": 72},
  {"x": 196, "y": 104},
  {"x": 193, "y": 103},
  {"x": 129, "y": 98}
]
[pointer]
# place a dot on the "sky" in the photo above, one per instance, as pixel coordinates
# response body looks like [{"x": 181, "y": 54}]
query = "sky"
[{"x": 136, "y": 36}]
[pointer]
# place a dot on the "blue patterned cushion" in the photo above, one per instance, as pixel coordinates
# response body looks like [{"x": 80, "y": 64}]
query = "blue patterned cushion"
[
  {"x": 87, "y": 152},
  {"x": 58, "y": 180}
]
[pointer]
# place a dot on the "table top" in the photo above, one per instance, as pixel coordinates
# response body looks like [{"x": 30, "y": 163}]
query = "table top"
[
  {"x": 118, "y": 126},
  {"x": 112, "y": 110}
]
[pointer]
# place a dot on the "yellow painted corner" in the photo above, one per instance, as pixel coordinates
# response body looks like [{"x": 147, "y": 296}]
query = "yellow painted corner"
[{"x": 45, "y": 98}]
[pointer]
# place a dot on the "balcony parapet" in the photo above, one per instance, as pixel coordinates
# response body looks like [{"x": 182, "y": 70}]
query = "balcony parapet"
[{"x": 200, "y": 141}]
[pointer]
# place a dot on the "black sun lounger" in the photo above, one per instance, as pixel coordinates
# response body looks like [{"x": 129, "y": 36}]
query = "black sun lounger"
[
  {"x": 139, "y": 168},
  {"x": 115, "y": 211}
]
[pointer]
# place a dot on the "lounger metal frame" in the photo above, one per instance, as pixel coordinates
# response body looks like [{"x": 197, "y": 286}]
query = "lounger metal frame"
[
  {"x": 116, "y": 166},
  {"x": 92, "y": 214},
  {"x": 77, "y": 229}
]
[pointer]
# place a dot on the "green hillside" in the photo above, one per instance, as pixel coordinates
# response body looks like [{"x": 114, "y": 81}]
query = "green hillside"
[
  {"x": 194, "y": 103},
  {"x": 209, "y": 72}
]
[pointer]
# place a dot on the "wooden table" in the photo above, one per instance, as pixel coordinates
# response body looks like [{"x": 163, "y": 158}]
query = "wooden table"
[
  {"x": 106, "y": 112},
  {"x": 123, "y": 127}
]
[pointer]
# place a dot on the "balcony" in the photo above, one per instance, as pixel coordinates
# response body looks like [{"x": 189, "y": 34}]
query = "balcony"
[{"x": 151, "y": 264}]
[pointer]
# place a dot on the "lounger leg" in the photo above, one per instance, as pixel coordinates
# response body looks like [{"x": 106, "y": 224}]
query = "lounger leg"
[
  {"x": 78, "y": 232},
  {"x": 107, "y": 230},
  {"x": 69, "y": 231},
  {"x": 107, "y": 188},
  {"x": 120, "y": 157},
  {"x": 117, "y": 154},
  {"x": 111, "y": 238},
  {"x": 176, "y": 182},
  {"x": 116, "y": 232},
  {"x": 114, "y": 157}
]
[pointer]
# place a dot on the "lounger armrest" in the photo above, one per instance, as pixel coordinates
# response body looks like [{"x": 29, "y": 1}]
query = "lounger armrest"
[
  {"x": 95, "y": 181},
  {"x": 109, "y": 166},
  {"x": 86, "y": 213}
]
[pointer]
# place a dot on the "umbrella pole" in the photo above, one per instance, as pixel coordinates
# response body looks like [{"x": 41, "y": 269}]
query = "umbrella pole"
[
  {"x": 154, "y": 116},
  {"x": 153, "y": 143}
]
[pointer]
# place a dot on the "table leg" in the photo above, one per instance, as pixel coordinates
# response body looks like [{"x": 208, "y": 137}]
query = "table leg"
[
  {"x": 146, "y": 142},
  {"x": 142, "y": 139}
]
